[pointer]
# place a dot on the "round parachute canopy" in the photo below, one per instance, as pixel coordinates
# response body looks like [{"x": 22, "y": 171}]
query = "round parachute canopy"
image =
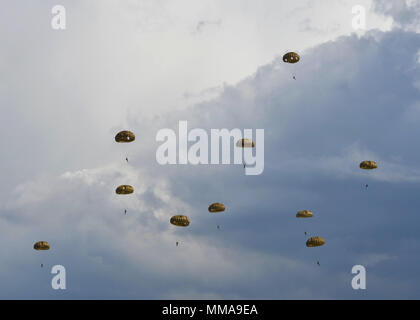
[
  {"x": 180, "y": 221},
  {"x": 245, "y": 143},
  {"x": 124, "y": 189},
  {"x": 368, "y": 165},
  {"x": 291, "y": 57},
  {"x": 315, "y": 242},
  {"x": 217, "y": 207},
  {"x": 42, "y": 245},
  {"x": 125, "y": 136},
  {"x": 304, "y": 214}
]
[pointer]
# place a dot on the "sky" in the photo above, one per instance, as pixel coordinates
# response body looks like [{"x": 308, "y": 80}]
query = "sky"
[{"x": 144, "y": 66}]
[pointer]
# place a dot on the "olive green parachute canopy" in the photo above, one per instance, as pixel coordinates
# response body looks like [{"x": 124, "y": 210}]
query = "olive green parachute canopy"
[
  {"x": 124, "y": 189},
  {"x": 125, "y": 136},
  {"x": 180, "y": 221},
  {"x": 42, "y": 245},
  {"x": 368, "y": 165},
  {"x": 245, "y": 143},
  {"x": 291, "y": 57},
  {"x": 304, "y": 214},
  {"x": 217, "y": 207},
  {"x": 315, "y": 242}
]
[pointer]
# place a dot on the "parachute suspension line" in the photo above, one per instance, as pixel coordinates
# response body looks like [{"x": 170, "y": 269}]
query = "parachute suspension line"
[
  {"x": 42, "y": 246},
  {"x": 179, "y": 221},
  {"x": 291, "y": 57},
  {"x": 315, "y": 242},
  {"x": 245, "y": 143},
  {"x": 217, "y": 207},
  {"x": 368, "y": 165},
  {"x": 125, "y": 136}
]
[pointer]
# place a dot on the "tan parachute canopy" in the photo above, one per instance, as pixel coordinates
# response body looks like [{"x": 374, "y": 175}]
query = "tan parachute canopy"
[
  {"x": 42, "y": 245},
  {"x": 180, "y": 221},
  {"x": 315, "y": 242},
  {"x": 291, "y": 57},
  {"x": 368, "y": 165},
  {"x": 217, "y": 207},
  {"x": 124, "y": 189},
  {"x": 304, "y": 214},
  {"x": 245, "y": 143},
  {"x": 125, "y": 136}
]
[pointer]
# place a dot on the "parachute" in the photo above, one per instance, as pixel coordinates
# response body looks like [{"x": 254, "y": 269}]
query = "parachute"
[
  {"x": 291, "y": 57},
  {"x": 42, "y": 245},
  {"x": 368, "y": 165},
  {"x": 180, "y": 221},
  {"x": 217, "y": 207},
  {"x": 245, "y": 143},
  {"x": 124, "y": 189},
  {"x": 315, "y": 242},
  {"x": 304, "y": 214},
  {"x": 125, "y": 136}
]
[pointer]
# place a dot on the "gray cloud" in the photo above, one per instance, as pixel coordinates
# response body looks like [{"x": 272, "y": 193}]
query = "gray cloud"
[
  {"x": 404, "y": 12},
  {"x": 354, "y": 98},
  {"x": 203, "y": 23}
]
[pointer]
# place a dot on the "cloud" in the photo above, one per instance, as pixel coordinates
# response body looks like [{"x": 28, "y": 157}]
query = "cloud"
[
  {"x": 82, "y": 218},
  {"x": 371, "y": 260},
  {"x": 202, "y": 24},
  {"x": 352, "y": 100},
  {"x": 405, "y": 13}
]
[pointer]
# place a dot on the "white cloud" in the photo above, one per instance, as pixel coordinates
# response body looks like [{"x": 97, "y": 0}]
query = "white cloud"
[
  {"x": 65, "y": 95},
  {"x": 372, "y": 259},
  {"x": 405, "y": 13}
]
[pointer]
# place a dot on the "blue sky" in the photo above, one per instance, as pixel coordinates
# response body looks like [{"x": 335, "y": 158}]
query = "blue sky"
[{"x": 133, "y": 65}]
